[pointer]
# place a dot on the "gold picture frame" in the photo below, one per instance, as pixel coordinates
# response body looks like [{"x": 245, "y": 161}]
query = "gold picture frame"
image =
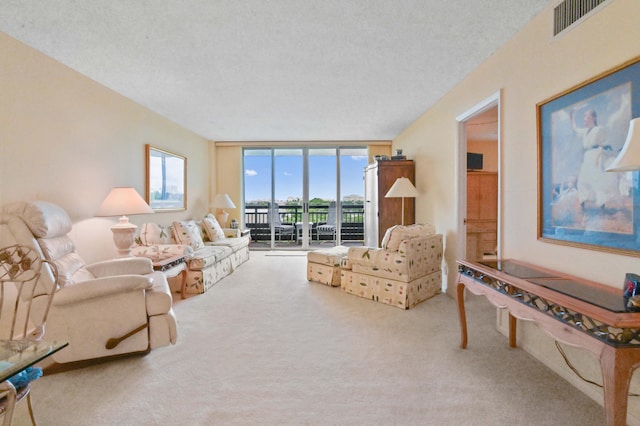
[
  {"x": 580, "y": 133},
  {"x": 166, "y": 184}
]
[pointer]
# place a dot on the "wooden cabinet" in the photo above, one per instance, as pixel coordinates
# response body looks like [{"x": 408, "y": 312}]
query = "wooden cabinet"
[
  {"x": 482, "y": 214},
  {"x": 381, "y": 213}
]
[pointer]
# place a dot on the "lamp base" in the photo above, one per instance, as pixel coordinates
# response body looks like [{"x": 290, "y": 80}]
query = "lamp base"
[
  {"x": 123, "y": 236},
  {"x": 222, "y": 217}
]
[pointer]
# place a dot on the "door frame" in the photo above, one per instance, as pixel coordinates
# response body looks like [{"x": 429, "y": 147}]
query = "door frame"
[{"x": 493, "y": 101}]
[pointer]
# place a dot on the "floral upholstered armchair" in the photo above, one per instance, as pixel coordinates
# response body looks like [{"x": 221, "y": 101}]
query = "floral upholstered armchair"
[{"x": 404, "y": 272}]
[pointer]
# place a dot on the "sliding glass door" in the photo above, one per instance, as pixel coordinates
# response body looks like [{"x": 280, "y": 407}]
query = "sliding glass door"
[
  {"x": 287, "y": 217},
  {"x": 293, "y": 197},
  {"x": 323, "y": 193},
  {"x": 258, "y": 171},
  {"x": 273, "y": 193}
]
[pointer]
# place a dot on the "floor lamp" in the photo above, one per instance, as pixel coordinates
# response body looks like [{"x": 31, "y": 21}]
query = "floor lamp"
[{"x": 402, "y": 188}]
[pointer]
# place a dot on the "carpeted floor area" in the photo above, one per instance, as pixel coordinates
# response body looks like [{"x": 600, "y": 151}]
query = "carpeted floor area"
[{"x": 266, "y": 347}]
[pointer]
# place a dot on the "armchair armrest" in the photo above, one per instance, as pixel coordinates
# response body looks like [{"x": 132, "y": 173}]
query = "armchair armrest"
[
  {"x": 363, "y": 255},
  {"x": 124, "y": 266},
  {"x": 101, "y": 287}
]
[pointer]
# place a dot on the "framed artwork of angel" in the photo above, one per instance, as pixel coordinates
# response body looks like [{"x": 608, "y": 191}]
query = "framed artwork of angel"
[{"x": 580, "y": 133}]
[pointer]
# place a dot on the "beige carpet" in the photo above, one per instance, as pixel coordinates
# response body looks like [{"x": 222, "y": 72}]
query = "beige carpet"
[{"x": 265, "y": 347}]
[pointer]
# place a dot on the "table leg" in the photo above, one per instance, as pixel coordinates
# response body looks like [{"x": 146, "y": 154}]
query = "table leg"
[
  {"x": 183, "y": 284},
  {"x": 462, "y": 314},
  {"x": 617, "y": 366},
  {"x": 512, "y": 331}
]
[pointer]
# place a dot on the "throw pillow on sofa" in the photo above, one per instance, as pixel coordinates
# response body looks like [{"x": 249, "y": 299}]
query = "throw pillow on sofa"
[
  {"x": 152, "y": 234},
  {"x": 212, "y": 228},
  {"x": 188, "y": 233}
]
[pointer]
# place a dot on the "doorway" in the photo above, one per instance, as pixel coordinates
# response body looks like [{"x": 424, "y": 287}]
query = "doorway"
[{"x": 479, "y": 189}]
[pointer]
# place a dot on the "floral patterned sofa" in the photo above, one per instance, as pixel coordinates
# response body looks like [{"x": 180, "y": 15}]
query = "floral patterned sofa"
[
  {"x": 403, "y": 273},
  {"x": 211, "y": 253}
]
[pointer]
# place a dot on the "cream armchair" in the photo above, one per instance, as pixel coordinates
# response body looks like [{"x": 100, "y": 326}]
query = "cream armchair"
[
  {"x": 104, "y": 309},
  {"x": 403, "y": 273}
]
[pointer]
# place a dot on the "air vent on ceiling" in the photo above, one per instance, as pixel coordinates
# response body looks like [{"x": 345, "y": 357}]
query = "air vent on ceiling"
[{"x": 568, "y": 12}]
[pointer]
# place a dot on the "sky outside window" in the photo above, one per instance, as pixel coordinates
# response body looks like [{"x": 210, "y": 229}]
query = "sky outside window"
[{"x": 288, "y": 176}]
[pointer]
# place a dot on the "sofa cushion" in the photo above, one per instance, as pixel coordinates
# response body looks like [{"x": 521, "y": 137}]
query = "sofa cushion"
[
  {"x": 234, "y": 243},
  {"x": 330, "y": 256},
  {"x": 207, "y": 256},
  {"x": 188, "y": 233},
  {"x": 159, "y": 252},
  {"x": 395, "y": 234},
  {"x": 212, "y": 228}
]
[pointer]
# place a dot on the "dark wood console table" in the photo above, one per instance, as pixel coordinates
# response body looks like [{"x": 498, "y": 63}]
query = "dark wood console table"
[{"x": 572, "y": 310}]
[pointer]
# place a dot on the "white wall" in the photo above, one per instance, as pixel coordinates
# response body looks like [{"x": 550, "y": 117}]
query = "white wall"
[
  {"x": 529, "y": 69},
  {"x": 68, "y": 140}
]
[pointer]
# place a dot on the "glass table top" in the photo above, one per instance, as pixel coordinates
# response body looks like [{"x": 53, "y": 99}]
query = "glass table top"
[
  {"x": 609, "y": 300},
  {"x": 601, "y": 298},
  {"x": 16, "y": 355},
  {"x": 516, "y": 269}
]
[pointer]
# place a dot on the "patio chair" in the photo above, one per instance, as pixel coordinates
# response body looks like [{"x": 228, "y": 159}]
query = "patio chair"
[
  {"x": 279, "y": 228},
  {"x": 329, "y": 227}
]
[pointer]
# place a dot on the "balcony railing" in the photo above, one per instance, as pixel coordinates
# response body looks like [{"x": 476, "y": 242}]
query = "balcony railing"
[{"x": 256, "y": 217}]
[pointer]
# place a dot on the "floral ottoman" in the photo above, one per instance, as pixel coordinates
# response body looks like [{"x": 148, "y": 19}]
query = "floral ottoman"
[{"x": 323, "y": 265}]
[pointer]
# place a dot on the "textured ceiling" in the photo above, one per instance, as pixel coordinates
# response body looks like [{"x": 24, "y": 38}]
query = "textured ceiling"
[{"x": 238, "y": 70}]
